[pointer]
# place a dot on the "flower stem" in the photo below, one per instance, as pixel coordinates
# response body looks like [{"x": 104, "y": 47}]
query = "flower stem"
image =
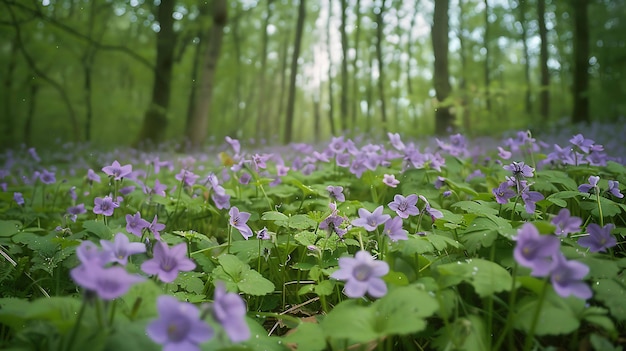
[
  {"x": 510, "y": 315},
  {"x": 230, "y": 231},
  {"x": 599, "y": 207},
  {"x": 76, "y": 326},
  {"x": 533, "y": 326}
]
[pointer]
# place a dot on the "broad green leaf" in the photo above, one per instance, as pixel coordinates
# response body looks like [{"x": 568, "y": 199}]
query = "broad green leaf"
[
  {"x": 98, "y": 228},
  {"x": 140, "y": 300},
  {"x": 131, "y": 337},
  {"x": 402, "y": 311},
  {"x": 253, "y": 283},
  {"x": 485, "y": 276},
  {"x": 466, "y": 333},
  {"x": 232, "y": 265},
  {"x": 274, "y": 216},
  {"x": 461, "y": 188},
  {"x": 479, "y": 208},
  {"x": 414, "y": 245},
  {"x": 307, "y": 337},
  {"x": 9, "y": 228},
  {"x": 241, "y": 276},
  {"x": 554, "y": 319},
  {"x": 613, "y": 295},
  {"x": 325, "y": 287}
]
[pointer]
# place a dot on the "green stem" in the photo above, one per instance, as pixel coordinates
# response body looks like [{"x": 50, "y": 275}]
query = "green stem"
[
  {"x": 230, "y": 231},
  {"x": 112, "y": 312},
  {"x": 76, "y": 326},
  {"x": 599, "y": 207},
  {"x": 531, "y": 333},
  {"x": 258, "y": 265},
  {"x": 510, "y": 316}
]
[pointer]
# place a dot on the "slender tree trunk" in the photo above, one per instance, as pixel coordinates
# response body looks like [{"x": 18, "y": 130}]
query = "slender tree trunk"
[
  {"x": 9, "y": 125},
  {"x": 486, "y": 46},
  {"x": 197, "y": 130},
  {"x": 238, "y": 80},
  {"x": 369, "y": 97},
  {"x": 261, "y": 106},
  {"x": 528, "y": 108},
  {"x": 580, "y": 92},
  {"x": 356, "y": 95},
  {"x": 443, "y": 117},
  {"x": 544, "y": 92},
  {"x": 283, "y": 84},
  {"x": 331, "y": 97},
  {"x": 155, "y": 119},
  {"x": 381, "y": 70},
  {"x": 344, "y": 68},
  {"x": 30, "y": 115},
  {"x": 291, "y": 101},
  {"x": 465, "y": 110},
  {"x": 197, "y": 57}
]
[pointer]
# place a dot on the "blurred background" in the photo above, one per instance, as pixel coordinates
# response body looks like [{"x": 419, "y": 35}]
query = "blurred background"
[{"x": 119, "y": 72}]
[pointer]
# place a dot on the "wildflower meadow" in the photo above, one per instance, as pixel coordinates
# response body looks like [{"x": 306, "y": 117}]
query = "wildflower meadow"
[{"x": 354, "y": 244}]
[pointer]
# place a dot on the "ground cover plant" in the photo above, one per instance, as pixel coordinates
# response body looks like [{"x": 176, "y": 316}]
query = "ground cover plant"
[{"x": 360, "y": 245}]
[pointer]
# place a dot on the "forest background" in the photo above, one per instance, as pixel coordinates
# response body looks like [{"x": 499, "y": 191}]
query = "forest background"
[{"x": 118, "y": 72}]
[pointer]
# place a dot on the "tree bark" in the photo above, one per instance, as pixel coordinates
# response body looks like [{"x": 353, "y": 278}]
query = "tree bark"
[
  {"x": 344, "y": 68},
  {"x": 544, "y": 92},
  {"x": 580, "y": 92},
  {"x": 261, "y": 117},
  {"x": 331, "y": 97},
  {"x": 197, "y": 130},
  {"x": 294, "y": 72},
  {"x": 8, "y": 131},
  {"x": 356, "y": 95},
  {"x": 381, "y": 69},
  {"x": 155, "y": 119},
  {"x": 486, "y": 46},
  {"x": 528, "y": 108},
  {"x": 465, "y": 110},
  {"x": 443, "y": 117}
]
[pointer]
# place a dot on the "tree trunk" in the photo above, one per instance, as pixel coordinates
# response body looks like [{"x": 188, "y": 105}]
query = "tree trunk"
[
  {"x": 544, "y": 92},
  {"x": 155, "y": 119},
  {"x": 486, "y": 46},
  {"x": 581, "y": 62},
  {"x": 465, "y": 110},
  {"x": 197, "y": 130},
  {"x": 356, "y": 95},
  {"x": 344, "y": 68},
  {"x": 291, "y": 101},
  {"x": 261, "y": 107},
  {"x": 30, "y": 115},
  {"x": 381, "y": 70},
  {"x": 331, "y": 98},
  {"x": 8, "y": 131},
  {"x": 528, "y": 108},
  {"x": 443, "y": 117}
]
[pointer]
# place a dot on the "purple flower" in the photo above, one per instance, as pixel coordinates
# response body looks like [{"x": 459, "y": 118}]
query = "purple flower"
[
  {"x": 238, "y": 220},
  {"x": 566, "y": 277},
  {"x": 593, "y": 184},
  {"x": 599, "y": 238},
  {"x": 404, "y": 206},
  {"x": 186, "y": 177},
  {"x": 336, "y": 193},
  {"x": 390, "y": 180},
  {"x": 245, "y": 178},
  {"x": 234, "y": 143},
  {"x": 333, "y": 222},
  {"x": 503, "y": 193},
  {"x": 135, "y": 224},
  {"x": 158, "y": 189},
  {"x": 362, "y": 275},
  {"x": 583, "y": 144},
  {"x": 229, "y": 310},
  {"x": 263, "y": 234},
  {"x": 396, "y": 141},
  {"x": 440, "y": 182},
  {"x": 92, "y": 176},
  {"x": 47, "y": 177},
  {"x": 33, "y": 153},
  {"x": 74, "y": 211},
  {"x": 108, "y": 283},
  {"x": 370, "y": 220},
  {"x": 127, "y": 190},
  {"x": 179, "y": 326},
  {"x": 520, "y": 169},
  {"x": 535, "y": 251},
  {"x": 505, "y": 155},
  {"x": 565, "y": 223},
  {"x": 117, "y": 171},
  {"x": 168, "y": 261},
  {"x": 18, "y": 198},
  {"x": 530, "y": 198},
  {"x": 156, "y": 227},
  {"x": 432, "y": 212},
  {"x": 221, "y": 200},
  {"x": 121, "y": 248},
  {"x": 393, "y": 229},
  {"x": 614, "y": 189},
  {"x": 104, "y": 206}
]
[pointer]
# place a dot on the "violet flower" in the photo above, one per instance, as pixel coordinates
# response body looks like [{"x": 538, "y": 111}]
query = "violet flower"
[
  {"x": 117, "y": 171},
  {"x": 108, "y": 283},
  {"x": 187, "y": 178},
  {"x": 135, "y": 224},
  {"x": 593, "y": 184},
  {"x": 565, "y": 223},
  {"x": 104, "y": 206},
  {"x": 613, "y": 189},
  {"x": 238, "y": 220},
  {"x": 599, "y": 238},
  {"x": 583, "y": 144},
  {"x": 393, "y": 229},
  {"x": 179, "y": 326},
  {"x": 370, "y": 220},
  {"x": 18, "y": 198},
  {"x": 47, "y": 177},
  {"x": 336, "y": 193},
  {"x": 155, "y": 228},
  {"x": 432, "y": 212},
  {"x": 229, "y": 309},
  {"x": 535, "y": 251},
  {"x": 121, "y": 248},
  {"x": 74, "y": 211},
  {"x": 566, "y": 277},
  {"x": 92, "y": 176},
  {"x": 519, "y": 169},
  {"x": 168, "y": 261},
  {"x": 362, "y": 275},
  {"x": 503, "y": 193},
  {"x": 390, "y": 180},
  {"x": 404, "y": 206}
]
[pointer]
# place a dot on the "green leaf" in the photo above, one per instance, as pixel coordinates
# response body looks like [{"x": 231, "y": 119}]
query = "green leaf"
[
  {"x": 415, "y": 245},
  {"x": 402, "y": 311},
  {"x": 274, "y": 216},
  {"x": 98, "y": 228},
  {"x": 613, "y": 295},
  {"x": 242, "y": 277},
  {"x": 485, "y": 276},
  {"x": 554, "y": 318},
  {"x": 479, "y": 208},
  {"x": 461, "y": 188},
  {"x": 307, "y": 337},
  {"x": 325, "y": 288},
  {"x": 253, "y": 283},
  {"x": 140, "y": 300},
  {"x": 131, "y": 337},
  {"x": 9, "y": 228}
]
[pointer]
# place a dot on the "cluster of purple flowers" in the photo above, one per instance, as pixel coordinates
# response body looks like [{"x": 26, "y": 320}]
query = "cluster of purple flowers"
[
  {"x": 517, "y": 185},
  {"x": 580, "y": 151},
  {"x": 542, "y": 254},
  {"x": 592, "y": 187}
]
